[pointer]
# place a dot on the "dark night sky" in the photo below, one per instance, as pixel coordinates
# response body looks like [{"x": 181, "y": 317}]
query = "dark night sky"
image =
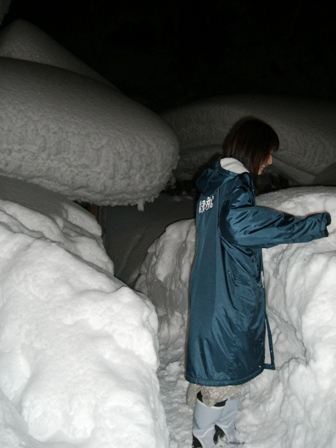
[{"x": 166, "y": 52}]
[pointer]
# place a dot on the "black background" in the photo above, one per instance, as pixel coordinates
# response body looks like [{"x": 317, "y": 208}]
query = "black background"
[{"x": 163, "y": 53}]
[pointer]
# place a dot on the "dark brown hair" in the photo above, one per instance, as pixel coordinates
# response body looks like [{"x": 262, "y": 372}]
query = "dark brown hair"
[{"x": 251, "y": 141}]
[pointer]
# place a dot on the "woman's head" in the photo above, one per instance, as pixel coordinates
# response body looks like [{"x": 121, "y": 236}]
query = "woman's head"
[{"x": 252, "y": 142}]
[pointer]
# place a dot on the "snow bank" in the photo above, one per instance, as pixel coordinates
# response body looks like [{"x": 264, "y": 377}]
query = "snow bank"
[
  {"x": 78, "y": 349},
  {"x": 306, "y": 128},
  {"x": 79, "y": 137},
  {"x": 23, "y": 40},
  {"x": 52, "y": 216},
  {"x": 295, "y": 405}
]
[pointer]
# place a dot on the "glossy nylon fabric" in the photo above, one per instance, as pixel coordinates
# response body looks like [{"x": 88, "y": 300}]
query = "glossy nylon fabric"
[{"x": 226, "y": 342}]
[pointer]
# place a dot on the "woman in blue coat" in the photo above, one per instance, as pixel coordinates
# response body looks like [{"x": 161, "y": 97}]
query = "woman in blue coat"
[{"x": 228, "y": 321}]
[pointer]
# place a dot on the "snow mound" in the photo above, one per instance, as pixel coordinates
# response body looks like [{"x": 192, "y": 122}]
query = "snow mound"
[
  {"x": 23, "y": 40},
  {"x": 300, "y": 282},
  {"x": 306, "y": 128},
  {"x": 52, "y": 216},
  {"x": 79, "y": 137},
  {"x": 295, "y": 405},
  {"x": 78, "y": 349}
]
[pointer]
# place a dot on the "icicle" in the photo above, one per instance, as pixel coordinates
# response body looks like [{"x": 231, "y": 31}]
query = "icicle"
[{"x": 141, "y": 205}]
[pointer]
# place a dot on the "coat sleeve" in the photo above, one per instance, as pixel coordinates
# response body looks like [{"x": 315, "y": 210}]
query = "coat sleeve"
[{"x": 245, "y": 224}]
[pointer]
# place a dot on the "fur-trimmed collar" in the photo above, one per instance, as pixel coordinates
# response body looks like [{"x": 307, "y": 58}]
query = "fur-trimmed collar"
[{"x": 233, "y": 165}]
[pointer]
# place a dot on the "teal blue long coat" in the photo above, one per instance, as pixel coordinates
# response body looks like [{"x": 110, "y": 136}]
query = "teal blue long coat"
[{"x": 226, "y": 341}]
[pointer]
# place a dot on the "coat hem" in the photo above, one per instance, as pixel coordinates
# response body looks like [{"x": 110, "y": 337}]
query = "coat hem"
[{"x": 231, "y": 382}]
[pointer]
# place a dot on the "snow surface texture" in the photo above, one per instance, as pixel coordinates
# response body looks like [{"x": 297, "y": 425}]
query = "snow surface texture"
[
  {"x": 306, "y": 128},
  {"x": 79, "y": 137},
  {"x": 78, "y": 349},
  {"x": 22, "y": 40},
  {"x": 294, "y": 406},
  {"x": 72, "y": 134}
]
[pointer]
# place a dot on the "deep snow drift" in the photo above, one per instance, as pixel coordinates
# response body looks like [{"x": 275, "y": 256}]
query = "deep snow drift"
[
  {"x": 78, "y": 349},
  {"x": 294, "y": 406},
  {"x": 70, "y": 131}
]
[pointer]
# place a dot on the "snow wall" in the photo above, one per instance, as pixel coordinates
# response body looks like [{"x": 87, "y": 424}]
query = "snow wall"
[
  {"x": 295, "y": 405},
  {"x": 306, "y": 128},
  {"x": 78, "y": 349}
]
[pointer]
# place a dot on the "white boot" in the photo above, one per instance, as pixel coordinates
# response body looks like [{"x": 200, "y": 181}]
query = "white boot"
[
  {"x": 205, "y": 418},
  {"x": 225, "y": 425}
]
